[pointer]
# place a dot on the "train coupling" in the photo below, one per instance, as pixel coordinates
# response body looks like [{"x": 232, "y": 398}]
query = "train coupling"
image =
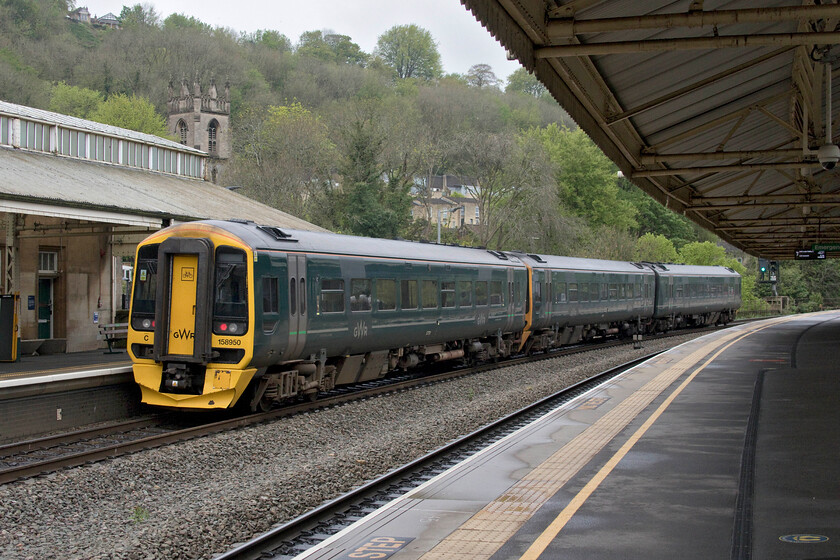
[{"x": 178, "y": 379}]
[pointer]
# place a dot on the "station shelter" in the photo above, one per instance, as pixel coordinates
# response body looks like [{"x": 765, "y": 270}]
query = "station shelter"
[{"x": 76, "y": 197}]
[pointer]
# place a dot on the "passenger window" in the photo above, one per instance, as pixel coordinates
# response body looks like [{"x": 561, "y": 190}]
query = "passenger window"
[
  {"x": 303, "y": 296},
  {"x": 481, "y": 293},
  {"x": 621, "y": 294},
  {"x": 518, "y": 292},
  {"x": 293, "y": 296},
  {"x": 447, "y": 294},
  {"x": 594, "y": 292},
  {"x": 430, "y": 294},
  {"x": 496, "y": 295},
  {"x": 537, "y": 292},
  {"x": 408, "y": 294},
  {"x": 613, "y": 291},
  {"x": 386, "y": 294},
  {"x": 270, "y": 299},
  {"x": 560, "y": 293},
  {"x": 584, "y": 291},
  {"x": 573, "y": 292},
  {"x": 465, "y": 293},
  {"x": 332, "y": 296},
  {"x": 360, "y": 294}
]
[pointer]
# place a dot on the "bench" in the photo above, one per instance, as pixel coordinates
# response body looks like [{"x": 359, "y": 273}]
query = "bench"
[{"x": 111, "y": 332}]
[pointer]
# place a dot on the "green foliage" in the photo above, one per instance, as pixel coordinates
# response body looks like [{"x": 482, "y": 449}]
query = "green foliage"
[
  {"x": 655, "y": 248},
  {"x": 183, "y": 21},
  {"x": 131, "y": 112},
  {"x": 587, "y": 180},
  {"x": 523, "y": 82},
  {"x": 138, "y": 15},
  {"x": 653, "y": 217},
  {"x": 73, "y": 100},
  {"x": 270, "y": 39},
  {"x": 411, "y": 52},
  {"x": 333, "y": 48}
]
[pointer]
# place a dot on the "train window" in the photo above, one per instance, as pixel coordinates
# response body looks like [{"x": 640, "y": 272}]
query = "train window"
[
  {"x": 386, "y": 294},
  {"x": 360, "y": 294},
  {"x": 408, "y": 294},
  {"x": 496, "y": 295},
  {"x": 594, "y": 292},
  {"x": 481, "y": 293},
  {"x": 637, "y": 291},
  {"x": 231, "y": 294},
  {"x": 270, "y": 299},
  {"x": 678, "y": 291},
  {"x": 145, "y": 288},
  {"x": 583, "y": 291},
  {"x": 560, "y": 293},
  {"x": 537, "y": 292},
  {"x": 332, "y": 295},
  {"x": 465, "y": 293},
  {"x": 517, "y": 294},
  {"x": 303, "y": 296},
  {"x": 430, "y": 294},
  {"x": 573, "y": 292},
  {"x": 613, "y": 291},
  {"x": 293, "y": 296},
  {"x": 447, "y": 294}
]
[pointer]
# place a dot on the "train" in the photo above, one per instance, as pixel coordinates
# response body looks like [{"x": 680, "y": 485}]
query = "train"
[{"x": 235, "y": 314}]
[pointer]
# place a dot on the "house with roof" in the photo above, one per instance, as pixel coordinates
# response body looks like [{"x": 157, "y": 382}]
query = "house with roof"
[
  {"x": 76, "y": 197},
  {"x": 447, "y": 199}
]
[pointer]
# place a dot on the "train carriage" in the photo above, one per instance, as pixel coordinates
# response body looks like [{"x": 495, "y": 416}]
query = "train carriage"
[
  {"x": 219, "y": 307},
  {"x": 692, "y": 295},
  {"x": 579, "y": 299}
]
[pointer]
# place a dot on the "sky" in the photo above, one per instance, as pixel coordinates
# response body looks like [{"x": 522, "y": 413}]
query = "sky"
[{"x": 462, "y": 41}]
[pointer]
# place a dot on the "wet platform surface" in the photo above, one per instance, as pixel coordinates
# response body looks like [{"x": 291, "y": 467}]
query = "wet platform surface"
[{"x": 725, "y": 447}]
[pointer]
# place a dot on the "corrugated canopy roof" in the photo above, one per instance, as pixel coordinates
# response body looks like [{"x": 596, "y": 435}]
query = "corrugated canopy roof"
[
  {"x": 54, "y": 185},
  {"x": 716, "y": 109}
]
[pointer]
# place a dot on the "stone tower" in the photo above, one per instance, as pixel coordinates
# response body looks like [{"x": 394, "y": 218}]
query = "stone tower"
[{"x": 202, "y": 121}]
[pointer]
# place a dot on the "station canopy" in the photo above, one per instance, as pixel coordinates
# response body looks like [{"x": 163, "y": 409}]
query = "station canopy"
[{"x": 716, "y": 109}]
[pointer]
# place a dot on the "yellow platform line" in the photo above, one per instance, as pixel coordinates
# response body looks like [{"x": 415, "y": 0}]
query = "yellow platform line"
[{"x": 486, "y": 531}]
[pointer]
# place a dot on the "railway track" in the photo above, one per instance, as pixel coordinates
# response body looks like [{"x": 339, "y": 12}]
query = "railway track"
[{"x": 49, "y": 454}]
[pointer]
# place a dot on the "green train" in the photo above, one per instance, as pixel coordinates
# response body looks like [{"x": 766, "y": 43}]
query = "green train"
[{"x": 232, "y": 312}]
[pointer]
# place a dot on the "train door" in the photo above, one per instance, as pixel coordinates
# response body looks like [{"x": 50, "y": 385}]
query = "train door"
[
  {"x": 511, "y": 291},
  {"x": 182, "y": 329},
  {"x": 297, "y": 305}
]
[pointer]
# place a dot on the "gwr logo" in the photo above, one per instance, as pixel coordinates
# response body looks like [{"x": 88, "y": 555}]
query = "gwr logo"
[
  {"x": 187, "y": 274},
  {"x": 184, "y": 334}
]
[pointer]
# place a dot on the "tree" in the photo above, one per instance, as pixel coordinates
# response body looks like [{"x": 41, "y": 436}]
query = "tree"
[
  {"x": 655, "y": 248},
  {"x": 331, "y": 47},
  {"x": 705, "y": 254},
  {"x": 75, "y": 101},
  {"x": 133, "y": 113},
  {"x": 284, "y": 158},
  {"x": 182, "y": 21},
  {"x": 587, "y": 180},
  {"x": 139, "y": 15},
  {"x": 522, "y": 81},
  {"x": 481, "y": 75},
  {"x": 411, "y": 51}
]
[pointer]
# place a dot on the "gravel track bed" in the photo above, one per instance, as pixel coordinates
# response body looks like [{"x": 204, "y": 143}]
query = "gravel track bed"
[{"x": 196, "y": 499}]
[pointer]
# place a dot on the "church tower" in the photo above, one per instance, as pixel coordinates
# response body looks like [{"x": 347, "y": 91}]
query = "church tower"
[{"x": 202, "y": 121}]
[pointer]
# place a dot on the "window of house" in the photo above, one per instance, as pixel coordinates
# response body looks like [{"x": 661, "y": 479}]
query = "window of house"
[
  {"x": 332, "y": 295},
  {"x": 430, "y": 294},
  {"x": 47, "y": 262},
  {"x": 386, "y": 294},
  {"x": 182, "y": 132},
  {"x": 408, "y": 294},
  {"x": 360, "y": 293}
]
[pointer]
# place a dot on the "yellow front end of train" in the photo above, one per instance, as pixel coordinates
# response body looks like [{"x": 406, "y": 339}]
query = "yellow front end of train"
[{"x": 190, "y": 335}]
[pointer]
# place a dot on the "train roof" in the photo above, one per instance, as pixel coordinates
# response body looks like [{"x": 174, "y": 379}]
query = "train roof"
[
  {"x": 693, "y": 270},
  {"x": 289, "y": 240},
  {"x": 593, "y": 265}
]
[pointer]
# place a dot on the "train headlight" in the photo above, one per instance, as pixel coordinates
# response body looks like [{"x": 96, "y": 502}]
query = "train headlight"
[
  {"x": 233, "y": 329},
  {"x": 147, "y": 323}
]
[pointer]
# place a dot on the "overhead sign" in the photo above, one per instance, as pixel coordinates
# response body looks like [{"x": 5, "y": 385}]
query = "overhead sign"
[
  {"x": 825, "y": 247},
  {"x": 805, "y": 254}
]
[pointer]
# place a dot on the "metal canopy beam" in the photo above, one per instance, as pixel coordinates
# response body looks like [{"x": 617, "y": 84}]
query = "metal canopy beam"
[
  {"x": 690, "y": 43},
  {"x": 569, "y": 27}
]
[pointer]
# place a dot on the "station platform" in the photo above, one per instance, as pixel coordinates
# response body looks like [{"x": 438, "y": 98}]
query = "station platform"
[
  {"x": 724, "y": 447},
  {"x": 41, "y": 394}
]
